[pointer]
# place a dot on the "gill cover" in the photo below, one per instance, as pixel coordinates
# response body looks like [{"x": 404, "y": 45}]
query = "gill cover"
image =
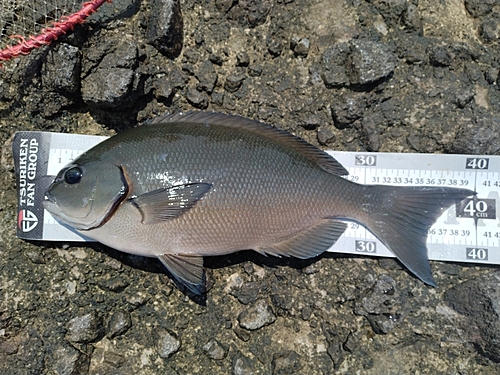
[{"x": 84, "y": 196}]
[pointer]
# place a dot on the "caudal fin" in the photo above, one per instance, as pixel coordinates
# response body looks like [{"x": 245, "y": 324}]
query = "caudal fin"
[{"x": 402, "y": 218}]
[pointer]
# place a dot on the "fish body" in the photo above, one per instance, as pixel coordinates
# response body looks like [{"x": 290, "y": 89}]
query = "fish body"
[{"x": 201, "y": 184}]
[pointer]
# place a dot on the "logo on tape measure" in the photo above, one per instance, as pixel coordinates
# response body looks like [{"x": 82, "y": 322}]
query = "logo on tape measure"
[{"x": 26, "y": 220}]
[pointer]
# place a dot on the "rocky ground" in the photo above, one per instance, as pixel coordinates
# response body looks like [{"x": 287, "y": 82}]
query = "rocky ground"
[{"x": 377, "y": 75}]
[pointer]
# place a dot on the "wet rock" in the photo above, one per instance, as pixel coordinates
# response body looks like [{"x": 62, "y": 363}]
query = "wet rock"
[
  {"x": 165, "y": 27},
  {"x": 107, "y": 88},
  {"x": 85, "y": 329},
  {"x": 167, "y": 343},
  {"x": 69, "y": 361},
  {"x": 480, "y": 137},
  {"x": 61, "y": 69},
  {"x": 347, "y": 109},
  {"x": 196, "y": 98},
  {"x": 215, "y": 350},
  {"x": 478, "y": 303},
  {"x": 256, "y": 316},
  {"x": 207, "y": 76},
  {"x": 440, "y": 56},
  {"x": 234, "y": 81},
  {"x": 119, "y": 323},
  {"x": 243, "y": 366},
  {"x": 286, "y": 363}
]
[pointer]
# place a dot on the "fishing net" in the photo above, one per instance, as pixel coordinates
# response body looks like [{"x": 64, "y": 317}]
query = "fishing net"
[{"x": 29, "y": 24}]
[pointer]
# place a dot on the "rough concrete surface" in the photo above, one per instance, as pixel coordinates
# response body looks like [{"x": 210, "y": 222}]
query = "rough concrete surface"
[{"x": 376, "y": 75}]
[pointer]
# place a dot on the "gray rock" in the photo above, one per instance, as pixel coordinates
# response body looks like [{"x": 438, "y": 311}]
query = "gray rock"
[
  {"x": 61, "y": 69},
  {"x": 412, "y": 19},
  {"x": 480, "y": 137},
  {"x": 118, "y": 9},
  {"x": 300, "y": 46},
  {"x": 108, "y": 88},
  {"x": 242, "y": 59},
  {"x": 370, "y": 130},
  {"x": 286, "y": 363},
  {"x": 347, "y": 109},
  {"x": 215, "y": 350},
  {"x": 85, "y": 329},
  {"x": 478, "y": 303},
  {"x": 243, "y": 366},
  {"x": 165, "y": 27},
  {"x": 478, "y": 8},
  {"x": 167, "y": 343},
  {"x": 207, "y": 76},
  {"x": 119, "y": 323},
  {"x": 334, "y": 61},
  {"x": 66, "y": 360},
  {"x": 115, "y": 284},
  {"x": 248, "y": 292},
  {"x": 440, "y": 56},
  {"x": 249, "y": 12},
  {"x": 256, "y": 316},
  {"x": 358, "y": 62},
  {"x": 124, "y": 56},
  {"x": 325, "y": 135},
  {"x": 369, "y": 62},
  {"x": 382, "y": 305},
  {"x": 234, "y": 81},
  {"x": 196, "y": 98}
]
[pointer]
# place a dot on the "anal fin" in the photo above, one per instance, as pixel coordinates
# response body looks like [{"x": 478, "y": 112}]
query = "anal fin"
[
  {"x": 187, "y": 269},
  {"x": 308, "y": 243}
]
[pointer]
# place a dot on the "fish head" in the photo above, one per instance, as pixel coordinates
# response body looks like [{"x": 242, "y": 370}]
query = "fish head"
[{"x": 85, "y": 195}]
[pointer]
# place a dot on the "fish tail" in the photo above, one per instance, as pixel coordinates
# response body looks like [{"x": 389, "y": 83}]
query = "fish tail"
[{"x": 402, "y": 216}]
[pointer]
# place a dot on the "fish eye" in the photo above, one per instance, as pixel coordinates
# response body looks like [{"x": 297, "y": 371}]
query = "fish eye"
[{"x": 73, "y": 175}]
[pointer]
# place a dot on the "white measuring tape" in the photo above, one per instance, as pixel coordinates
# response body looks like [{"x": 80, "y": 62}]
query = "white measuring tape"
[{"x": 468, "y": 232}]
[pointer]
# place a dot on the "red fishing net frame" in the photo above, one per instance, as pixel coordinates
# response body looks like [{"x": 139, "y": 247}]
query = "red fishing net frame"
[{"x": 51, "y": 33}]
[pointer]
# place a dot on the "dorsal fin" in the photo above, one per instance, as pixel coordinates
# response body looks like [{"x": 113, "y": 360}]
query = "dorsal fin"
[{"x": 326, "y": 161}]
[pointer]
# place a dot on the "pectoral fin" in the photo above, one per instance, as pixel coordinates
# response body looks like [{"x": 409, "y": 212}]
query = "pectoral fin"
[
  {"x": 309, "y": 242},
  {"x": 169, "y": 203},
  {"x": 187, "y": 269}
]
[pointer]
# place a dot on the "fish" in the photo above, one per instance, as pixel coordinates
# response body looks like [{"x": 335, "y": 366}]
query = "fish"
[{"x": 188, "y": 185}]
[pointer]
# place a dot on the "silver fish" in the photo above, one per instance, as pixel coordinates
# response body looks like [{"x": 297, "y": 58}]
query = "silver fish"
[{"x": 185, "y": 186}]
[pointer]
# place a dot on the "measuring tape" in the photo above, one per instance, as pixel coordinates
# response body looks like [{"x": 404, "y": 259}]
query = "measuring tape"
[{"x": 468, "y": 231}]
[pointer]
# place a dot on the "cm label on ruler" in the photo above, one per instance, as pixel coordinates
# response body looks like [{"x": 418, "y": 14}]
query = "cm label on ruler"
[{"x": 471, "y": 224}]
